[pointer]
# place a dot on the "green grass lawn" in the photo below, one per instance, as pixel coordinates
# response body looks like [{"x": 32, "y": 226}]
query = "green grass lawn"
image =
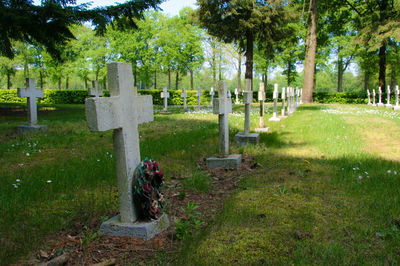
[{"x": 327, "y": 189}]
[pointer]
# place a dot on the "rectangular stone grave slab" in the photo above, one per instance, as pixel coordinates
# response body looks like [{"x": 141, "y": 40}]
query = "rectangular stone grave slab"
[
  {"x": 31, "y": 128},
  {"x": 233, "y": 161},
  {"x": 143, "y": 230},
  {"x": 242, "y": 139}
]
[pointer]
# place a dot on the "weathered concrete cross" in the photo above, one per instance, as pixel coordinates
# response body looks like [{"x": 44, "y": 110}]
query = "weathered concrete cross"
[
  {"x": 31, "y": 92},
  {"x": 388, "y": 104},
  {"x": 283, "y": 96},
  {"x": 165, "y": 95},
  {"x": 236, "y": 96},
  {"x": 198, "y": 95},
  {"x": 369, "y": 97},
  {"x": 212, "y": 96},
  {"x": 380, "y": 97},
  {"x": 261, "y": 99},
  {"x": 397, "y": 106},
  {"x": 184, "y": 96},
  {"x": 95, "y": 90},
  {"x": 122, "y": 112},
  {"x": 301, "y": 96},
  {"x": 275, "y": 97}
]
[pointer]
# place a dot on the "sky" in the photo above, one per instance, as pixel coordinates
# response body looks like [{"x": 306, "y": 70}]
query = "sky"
[{"x": 170, "y": 7}]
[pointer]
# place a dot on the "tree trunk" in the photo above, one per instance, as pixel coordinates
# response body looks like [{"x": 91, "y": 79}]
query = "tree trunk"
[
  {"x": 59, "y": 83},
  {"x": 191, "y": 80},
  {"x": 366, "y": 81},
  {"x": 41, "y": 78},
  {"x": 214, "y": 68},
  {"x": 177, "y": 80},
  {"x": 67, "y": 82},
  {"x": 8, "y": 79},
  {"x": 26, "y": 67},
  {"x": 169, "y": 79},
  {"x": 105, "y": 83},
  {"x": 288, "y": 73},
  {"x": 240, "y": 72},
  {"x": 311, "y": 50},
  {"x": 86, "y": 85},
  {"x": 249, "y": 57},
  {"x": 155, "y": 79},
  {"x": 220, "y": 64},
  {"x": 134, "y": 76},
  {"x": 340, "y": 74},
  {"x": 382, "y": 66}
]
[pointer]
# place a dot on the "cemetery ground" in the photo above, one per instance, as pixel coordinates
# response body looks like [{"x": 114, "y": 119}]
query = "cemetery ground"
[{"x": 322, "y": 187}]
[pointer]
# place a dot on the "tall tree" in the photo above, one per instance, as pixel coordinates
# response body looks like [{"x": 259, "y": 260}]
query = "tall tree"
[{"x": 244, "y": 22}]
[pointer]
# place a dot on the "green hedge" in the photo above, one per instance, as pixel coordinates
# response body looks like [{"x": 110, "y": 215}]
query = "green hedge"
[{"x": 78, "y": 97}]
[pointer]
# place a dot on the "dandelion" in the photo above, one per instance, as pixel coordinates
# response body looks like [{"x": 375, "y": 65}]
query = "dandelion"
[
  {"x": 366, "y": 173},
  {"x": 389, "y": 171},
  {"x": 395, "y": 172},
  {"x": 18, "y": 180},
  {"x": 342, "y": 169},
  {"x": 20, "y": 164},
  {"x": 15, "y": 185},
  {"x": 360, "y": 177},
  {"x": 98, "y": 160},
  {"x": 27, "y": 154},
  {"x": 48, "y": 181}
]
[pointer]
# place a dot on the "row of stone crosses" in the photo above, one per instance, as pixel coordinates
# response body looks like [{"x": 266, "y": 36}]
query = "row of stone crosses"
[
  {"x": 388, "y": 103},
  {"x": 124, "y": 110}
]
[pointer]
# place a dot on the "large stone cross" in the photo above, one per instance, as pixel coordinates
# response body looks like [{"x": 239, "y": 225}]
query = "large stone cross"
[
  {"x": 283, "y": 96},
  {"x": 165, "y": 95},
  {"x": 380, "y": 97},
  {"x": 95, "y": 90},
  {"x": 122, "y": 112},
  {"x": 198, "y": 95},
  {"x": 184, "y": 96},
  {"x": 223, "y": 106},
  {"x": 31, "y": 92},
  {"x": 388, "y": 104}
]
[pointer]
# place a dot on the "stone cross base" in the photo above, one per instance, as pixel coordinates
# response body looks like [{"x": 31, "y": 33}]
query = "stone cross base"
[
  {"x": 388, "y": 106},
  {"x": 143, "y": 230},
  {"x": 396, "y": 108},
  {"x": 380, "y": 104},
  {"x": 30, "y": 128},
  {"x": 262, "y": 129},
  {"x": 233, "y": 161},
  {"x": 274, "y": 119},
  {"x": 369, "y": 104},
  {"x": 241, "y": 139}
]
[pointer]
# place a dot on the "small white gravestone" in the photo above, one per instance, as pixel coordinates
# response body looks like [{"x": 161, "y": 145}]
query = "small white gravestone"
[
  {"x": 198, "y": 95},
  {"x": 397, "y": 106},
  {"x": 212, "y": 96},
  {"x": 94, "y": 91},
  {"x": 301, "y": 96},
  {"x": 374, "y": 98},
  {"x": 184, "y": 96},
  {"x": 165, "y": 96},
  {"x": 380, "y": 98},
  {"x": 229, "y": 94},
  {"x": 243, "y": 138},
  {"x": 283, "y": 96},
  {"x": 261, "y": 99},
  {"x": 288, "y": 101},
  {"x": 297, "y": 97},
  {"x": 123, "y": 112},
  {"x": 292, "y": 99},
  {"x": 369, "y": 97},
  {"x": 388, "y": 104},
  {"x": 223, "y": 106},
  {"x": 275, "y": 96},
  {"x": 236, "y": 96},
  {"x": 31, "y": 93}
]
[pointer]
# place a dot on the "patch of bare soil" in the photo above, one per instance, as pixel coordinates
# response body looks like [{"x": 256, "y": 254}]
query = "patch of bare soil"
[{"x": 68, "y": 247}]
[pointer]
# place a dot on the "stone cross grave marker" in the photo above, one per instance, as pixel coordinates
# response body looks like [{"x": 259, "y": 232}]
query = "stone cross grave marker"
[
  {"x": 297, "y": 97},
  {"x": 94, "y": 91},
  {"x": 229, "y": 94},
  {"x": 243, "y": 138},
  {"x": 397, "y": 106},
  {"x": 31, "y": 93},
  {"x": 380, "y": 98},
  {"x": 388, "y": 104},
  {"x": 165, "y": 96},
  {"x": 184, "y": 96},
  {"x": 301, "y": 96},
  {"x": 122, "y": 112},
  {"x": 223, "y": 106},
  {"x": 198, "y": 95},
  {"x": 288, "y": 100},
  {"x": 369, "y": 97},
  {"x": 283, "y": 96},
  {"x": 212, "y": 96},
  {"x": 292, "y": 100},
  {"x": 374, "y": 98},
  {"x": 261, "y": 99},
  {"x": 236, "y": 96},
  {"x": 275, "y": 96}
]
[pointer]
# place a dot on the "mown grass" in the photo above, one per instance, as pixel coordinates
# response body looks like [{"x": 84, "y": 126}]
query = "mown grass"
[{"x": 305, "y": 204}]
